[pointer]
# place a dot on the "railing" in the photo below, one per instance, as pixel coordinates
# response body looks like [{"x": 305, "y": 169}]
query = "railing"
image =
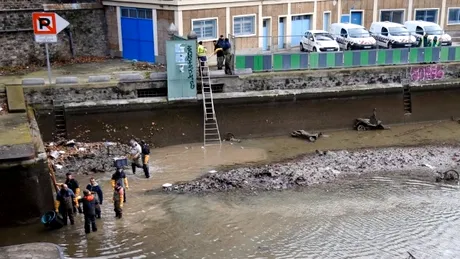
[{"x": 347, "y": 59}]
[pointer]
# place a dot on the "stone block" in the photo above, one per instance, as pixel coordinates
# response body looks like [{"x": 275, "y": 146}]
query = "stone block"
[
  {"x": 158, "y": 76},
  {"x": 33, "y": 81},
  {"x": 131, "y": 77},
  {"x": 98, "y": 78},
  {"x": 217, "y": 73},
  {"x": 244, "y": 71},
  {"x": 66, "y": 80}
]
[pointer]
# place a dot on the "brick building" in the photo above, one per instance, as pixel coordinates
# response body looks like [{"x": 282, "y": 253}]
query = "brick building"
[{"x": 134, "y": 26}]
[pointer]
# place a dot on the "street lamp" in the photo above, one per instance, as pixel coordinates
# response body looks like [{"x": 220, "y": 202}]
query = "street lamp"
[{"x": 172, "y": 30}]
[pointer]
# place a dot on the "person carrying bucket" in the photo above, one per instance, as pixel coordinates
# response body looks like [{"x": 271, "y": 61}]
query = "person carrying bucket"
[
  {"x": 119, "y": 177},
  {"x": 64, "y": 204},
  {"x": 118, "y": 200}
]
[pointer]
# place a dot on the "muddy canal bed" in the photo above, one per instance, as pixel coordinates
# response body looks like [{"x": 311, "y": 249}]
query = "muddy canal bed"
[{"x": 324, "y": 167}]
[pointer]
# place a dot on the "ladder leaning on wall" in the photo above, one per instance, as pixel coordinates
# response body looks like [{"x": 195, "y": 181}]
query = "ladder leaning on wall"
[{"x": 211, "y": 127}]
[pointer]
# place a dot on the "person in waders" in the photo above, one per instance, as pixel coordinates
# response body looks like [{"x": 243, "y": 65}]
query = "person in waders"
[
  {"x": 118, "y": 200},
  {"x": 75, "y": 187},
  {"x": 96, "y": 190},
  {"x": 119, "y": 177},
  {"x": 89, "y": 210},
  {"x": 64, "y": 204},
  {"x": 145, "y": 158},
  {"x": 135, "y": 155}
]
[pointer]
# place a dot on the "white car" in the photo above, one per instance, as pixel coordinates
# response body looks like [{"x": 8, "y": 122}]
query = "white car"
[
  {"x": 318, "y": 41},
  {"x": 392, "y": 35},
  {"x": 352, "y": 36},
  {"x": 419, "y": 28}
]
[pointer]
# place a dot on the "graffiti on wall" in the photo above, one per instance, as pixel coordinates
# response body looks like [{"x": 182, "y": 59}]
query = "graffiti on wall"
[{"x": 428, "y": 73}]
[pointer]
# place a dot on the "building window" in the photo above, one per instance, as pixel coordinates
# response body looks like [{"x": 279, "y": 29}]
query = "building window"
[
  {"x": 326, "y": 21},
  {"x": 396, "y": 16},
  {"x": 454, "y": 16},
  {"x": 205, "y": 29},
  {"x": 430, "y": 15},
  {"x": 244, "y": 25},
  {"x": 137, "y": 13}
]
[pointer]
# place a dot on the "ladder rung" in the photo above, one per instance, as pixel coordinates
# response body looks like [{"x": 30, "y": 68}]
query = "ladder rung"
[
  {"x": 211, "y": 129},
  {"x": 214, "y": 139}
]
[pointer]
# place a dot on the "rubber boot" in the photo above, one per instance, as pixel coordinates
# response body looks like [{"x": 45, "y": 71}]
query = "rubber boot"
[
  {"x": 146, "y": 170},
  {"x": 133, "y": 167}
]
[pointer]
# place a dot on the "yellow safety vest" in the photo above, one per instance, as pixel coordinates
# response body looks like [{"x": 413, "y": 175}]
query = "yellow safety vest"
[{"x": 201, "y": 51}]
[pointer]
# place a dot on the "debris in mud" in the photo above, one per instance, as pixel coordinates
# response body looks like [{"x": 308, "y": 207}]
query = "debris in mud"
[
  {"x": 144, "y": 66},
  {"x": 3, "y": 108},
  {"x": 362, "y": 124},
  {"x": 312, "y": 137},
  {"x": 83, "y": 158},
  {"x": 314, "y": 169},
  {"x": 449, "y": 175},
  {"x": 230, "y": 137}
]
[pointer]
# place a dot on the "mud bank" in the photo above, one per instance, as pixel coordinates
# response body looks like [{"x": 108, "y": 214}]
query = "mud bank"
[
  {"x": 326, "y": 167},
  {"x": 84, "y": 158}
]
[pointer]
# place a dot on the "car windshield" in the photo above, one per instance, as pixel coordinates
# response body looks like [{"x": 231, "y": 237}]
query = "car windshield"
[
  {"x": 398, "y": 31},
  {"x": 358, "y": 33},
  {"x": 322, "y": 36},
  {"x": 434, "y": 30}
]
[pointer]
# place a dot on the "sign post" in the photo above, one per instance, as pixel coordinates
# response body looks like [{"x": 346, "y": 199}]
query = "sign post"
[{"x": 46, "y": 27}]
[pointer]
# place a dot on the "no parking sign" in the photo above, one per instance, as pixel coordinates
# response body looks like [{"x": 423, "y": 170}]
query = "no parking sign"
[{"x": 47, "y": 26}]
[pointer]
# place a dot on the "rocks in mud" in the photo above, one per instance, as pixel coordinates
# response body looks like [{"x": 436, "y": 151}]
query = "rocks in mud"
[
  {"x": 83, "y": 158},
  {"x": 314, "y": 169}
]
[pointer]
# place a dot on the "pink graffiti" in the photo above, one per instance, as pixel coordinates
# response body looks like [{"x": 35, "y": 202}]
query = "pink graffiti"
[{"x": 434, "y": 72}]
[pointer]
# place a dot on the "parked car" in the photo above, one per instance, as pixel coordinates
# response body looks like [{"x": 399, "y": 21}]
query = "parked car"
[
  {"x": 352, "y": 36},
  {"x": 419, "y": 28},
  {"x": 392, "y": 35},
  {"x": 318, "y": 41}
]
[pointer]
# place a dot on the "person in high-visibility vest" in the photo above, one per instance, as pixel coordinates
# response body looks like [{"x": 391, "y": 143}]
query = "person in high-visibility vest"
[{"x": 201, "y": 53}]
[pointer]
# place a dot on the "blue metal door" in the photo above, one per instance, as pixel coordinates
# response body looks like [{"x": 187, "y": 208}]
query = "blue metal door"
[
  {"x": 265, "y": 33},
  {"x": 357, "y": 17},
  {"x": 300, "y": 24},
  {"x": 281, "y": 33},
  {"x": 137, "y": 34},
  {"x": 345, "y": 18}
]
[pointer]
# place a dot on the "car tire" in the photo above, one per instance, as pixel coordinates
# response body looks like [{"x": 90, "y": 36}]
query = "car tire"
[
  {"x": 348, "y": 47},
  {"x": 314, "y": 49},
  {"x": 302, "y": 49},
  {"x": 389, "y": 46}
]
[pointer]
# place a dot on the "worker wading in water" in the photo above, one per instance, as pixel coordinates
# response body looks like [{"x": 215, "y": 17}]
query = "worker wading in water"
[
  {"x": 64, "y": 203},
  {"x": 96, "y": 190},
  {"x": 145, "y": 158},
  {"x": 118, "y": 200},
  {"x": 135, "y": 155},
  {"x": 89, "y": 204},
  {"x": 73, "y": 185},
  {"x": 119, "y": 177}
]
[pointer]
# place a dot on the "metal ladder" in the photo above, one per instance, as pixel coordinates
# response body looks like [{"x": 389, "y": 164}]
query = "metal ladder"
[
  {"x": 211, "y": 127},
  {"x": 59, "y": 120}
]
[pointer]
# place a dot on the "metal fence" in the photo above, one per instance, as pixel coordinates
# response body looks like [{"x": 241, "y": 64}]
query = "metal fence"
[
  {"x": 290, "y": 43},
  {"x": 346, "y": 59}
]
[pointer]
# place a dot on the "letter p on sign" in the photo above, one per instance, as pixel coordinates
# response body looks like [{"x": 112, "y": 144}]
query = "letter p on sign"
[{"x": 44, "y": 23}]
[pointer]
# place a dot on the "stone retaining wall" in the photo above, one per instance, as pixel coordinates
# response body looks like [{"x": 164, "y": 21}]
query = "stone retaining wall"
[{"x": 17, "y": 45}]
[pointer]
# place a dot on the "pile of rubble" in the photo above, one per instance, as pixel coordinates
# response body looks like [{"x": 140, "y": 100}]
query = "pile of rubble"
[
  {"x": 3, "y": 108},
  {"x": 325, "y": 167},
  {"x": 84, "y": 158}
]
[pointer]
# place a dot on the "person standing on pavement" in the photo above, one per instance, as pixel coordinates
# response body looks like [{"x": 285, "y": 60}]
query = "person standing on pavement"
[
  {"x": 75, "y": 187},
  {"x": 219, "y": 52},
  {"x": 136, "y": 155},
  {"x": 96, "y": 190},
  {"x": 119, "y": 177},
  {"x": 201, "y": 53},
  {"x": 89, "y": 210},
  {"x": 64, "y": 203},
  {"x": 118, "y": 192},
  {"x": 227, "y": 48},
  {"x": 145, "y": 158}
]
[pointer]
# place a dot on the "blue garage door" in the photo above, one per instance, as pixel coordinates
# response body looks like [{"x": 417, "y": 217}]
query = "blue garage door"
[
  {"x": 300, "y": 24},
  {"x": 137, "y": 34}
]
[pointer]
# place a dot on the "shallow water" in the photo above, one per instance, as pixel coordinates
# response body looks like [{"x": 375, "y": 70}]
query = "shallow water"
[{"x": 372, "y": 217}]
